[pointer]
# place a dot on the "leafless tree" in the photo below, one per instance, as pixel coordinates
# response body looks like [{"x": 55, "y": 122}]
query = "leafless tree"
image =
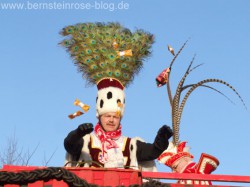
[{"x": 13, "y": 155}]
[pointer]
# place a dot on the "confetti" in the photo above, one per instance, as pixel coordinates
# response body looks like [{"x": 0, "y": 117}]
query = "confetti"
[{"x": 76, "y": 114}]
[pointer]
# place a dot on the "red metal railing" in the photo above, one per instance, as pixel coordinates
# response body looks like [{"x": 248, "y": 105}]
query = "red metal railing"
[
  {"x": 191, "y": 176},
  {"x": 125, "y": 177},
  {"x": 210, "y": 177}
]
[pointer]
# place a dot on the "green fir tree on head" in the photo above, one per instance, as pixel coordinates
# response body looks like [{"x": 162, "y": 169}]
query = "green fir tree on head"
[{"x": 107, "y": 50}]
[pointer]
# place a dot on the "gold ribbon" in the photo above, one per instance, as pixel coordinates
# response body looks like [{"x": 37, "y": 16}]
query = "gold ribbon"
[
  {"x": 121, "y": 53},
  {"x": 118, "y": 112},
  {"x": 125, "y": 53}
]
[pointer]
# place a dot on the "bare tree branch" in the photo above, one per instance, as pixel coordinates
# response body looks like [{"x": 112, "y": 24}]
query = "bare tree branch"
[
  {"x": 45, "y": 161},
  {"x": 12, "y": 155}
]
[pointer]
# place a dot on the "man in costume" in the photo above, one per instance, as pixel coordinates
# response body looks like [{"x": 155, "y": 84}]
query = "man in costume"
[{"x": 109, "y": 56}]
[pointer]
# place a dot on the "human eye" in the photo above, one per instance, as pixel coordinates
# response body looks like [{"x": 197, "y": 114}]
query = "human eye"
[{"x": 117, "y": 117}]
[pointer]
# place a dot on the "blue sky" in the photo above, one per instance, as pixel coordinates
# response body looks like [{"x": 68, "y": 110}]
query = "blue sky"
[{"x": 39, "y": 82}]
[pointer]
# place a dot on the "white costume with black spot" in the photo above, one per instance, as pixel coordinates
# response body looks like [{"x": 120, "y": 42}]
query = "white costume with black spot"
[{"x": 115, "y": 155}]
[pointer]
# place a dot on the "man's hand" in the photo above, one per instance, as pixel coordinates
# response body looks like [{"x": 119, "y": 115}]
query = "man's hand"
[
  {"x": 85, "y": 128},
  {"x": 162, "y": 137},
  {"x": 165, "y": 132}
]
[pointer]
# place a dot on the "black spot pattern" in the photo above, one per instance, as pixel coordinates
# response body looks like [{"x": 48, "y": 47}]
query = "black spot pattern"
[
  {"x": 101, "y": 103},
  {"x": 109, "y": 95},
  {"x": 131, "y": 148},
  {"x": 118, "y": 101}
]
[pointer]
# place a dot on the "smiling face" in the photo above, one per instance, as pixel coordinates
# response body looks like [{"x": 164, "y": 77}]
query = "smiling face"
[{"x": 110, "y": 121}]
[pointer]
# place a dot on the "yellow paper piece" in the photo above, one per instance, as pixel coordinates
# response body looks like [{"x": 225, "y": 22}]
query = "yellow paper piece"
[
  {"x": 76, "y": 114},
  {"x": 82, "y": 105}
]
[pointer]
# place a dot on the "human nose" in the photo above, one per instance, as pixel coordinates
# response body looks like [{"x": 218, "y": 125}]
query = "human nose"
[{"x": 111, "y": 119}]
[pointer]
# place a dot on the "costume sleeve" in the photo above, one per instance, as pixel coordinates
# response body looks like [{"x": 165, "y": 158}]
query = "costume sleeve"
[
  {"x": 73, "y": 143},
  {"x": 147, "y": 151}
]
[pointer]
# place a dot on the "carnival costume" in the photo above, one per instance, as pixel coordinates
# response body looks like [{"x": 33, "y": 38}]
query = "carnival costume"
[{"x": 109, "y": 56}]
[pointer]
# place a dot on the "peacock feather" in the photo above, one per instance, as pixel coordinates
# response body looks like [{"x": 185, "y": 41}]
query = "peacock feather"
[
  {"x": 107, "y": 50},
  {"x": 177, "y": 103}
]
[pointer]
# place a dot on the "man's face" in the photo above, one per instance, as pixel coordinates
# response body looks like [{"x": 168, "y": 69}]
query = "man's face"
[{"x": 110, "y": 121}]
